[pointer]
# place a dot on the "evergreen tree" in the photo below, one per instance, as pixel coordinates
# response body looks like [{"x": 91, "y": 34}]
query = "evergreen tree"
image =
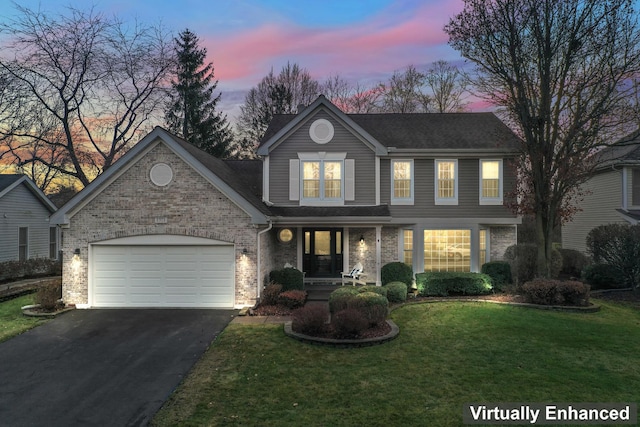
[{"x": 191, "y": 113}]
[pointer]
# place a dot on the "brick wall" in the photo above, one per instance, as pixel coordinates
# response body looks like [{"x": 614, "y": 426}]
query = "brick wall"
[
  {"x": 132, "y": 205},
  {"x": 500, "y": 239}
]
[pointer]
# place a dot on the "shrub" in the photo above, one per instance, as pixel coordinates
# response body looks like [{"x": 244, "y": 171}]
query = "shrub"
[
  {"x": 396, "y": 291},
  {"x": 573, "y": 262},
  {"x": 341, "y": 297},
  {"x": 310, "y": 320},
  {"x": 292, "y": 299},
  {"x": 289, "y": 278},
  {"x": 34, "y": 267},
  {"x": 446, "y": 283},
  {"x": 603, "y": 276},
  {"x": 373, "y": 288},
  {"x": 523, "y": 260},
  {"x": 270, "y": 293},
  {"x": 619, "y": 246},
  {"x": 556, "y": 292},
  {"x": 48, "y": 295},
  {"x": 349, "y": 323},
  {"x": 373, "y": 306},
  {"x": 397, "y": 272},
  {"x": 500, "y": 273}
]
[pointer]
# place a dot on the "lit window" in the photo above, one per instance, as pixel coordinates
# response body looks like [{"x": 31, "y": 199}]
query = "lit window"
[
  {"x": 447, "y": 250},
  {"x": 483, "y": 247},
  {"x": 446, "y": 182},
  {"x": 407, "y": 247},
  {"x": 490, "y": 182},
  {"x": 402, "y": 182},
  {"x": 322, "y": 180}
]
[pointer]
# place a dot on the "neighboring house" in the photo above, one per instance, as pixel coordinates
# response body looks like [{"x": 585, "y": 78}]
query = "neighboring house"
[
  {"x": 612, "y": 194},
  {"x": 25, "y": 231},
  {"x": 168, "y": 225}
]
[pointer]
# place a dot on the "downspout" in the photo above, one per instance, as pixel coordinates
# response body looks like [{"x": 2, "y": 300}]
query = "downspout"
[{"x": 259, "y": 262}]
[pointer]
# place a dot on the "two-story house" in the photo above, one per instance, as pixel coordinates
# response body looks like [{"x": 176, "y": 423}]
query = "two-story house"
[
  {"x": 612, "y": 194},
  {"x": 169, "y": 225}
]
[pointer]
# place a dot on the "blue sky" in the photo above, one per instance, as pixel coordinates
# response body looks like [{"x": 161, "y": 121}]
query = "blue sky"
[{"x": 360, "y": 40}]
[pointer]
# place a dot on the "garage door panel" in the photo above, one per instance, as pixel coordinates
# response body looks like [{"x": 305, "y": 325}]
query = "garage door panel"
[{"x": 163, "y": 276}]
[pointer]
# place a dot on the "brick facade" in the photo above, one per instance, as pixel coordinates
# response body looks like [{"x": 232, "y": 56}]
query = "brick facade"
[
  {"x": 500, "y": 238},
  {"x": 132, "y": 205}
]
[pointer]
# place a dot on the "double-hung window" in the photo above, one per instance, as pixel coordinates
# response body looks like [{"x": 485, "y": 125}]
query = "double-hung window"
[
  {"x": 491, "y": 177},
  {"x": 322, "y": 180},
  {"x": 402, "y": 182},
  {"x": 446, "y": 180},
  {"x": 23, "y": 243}
]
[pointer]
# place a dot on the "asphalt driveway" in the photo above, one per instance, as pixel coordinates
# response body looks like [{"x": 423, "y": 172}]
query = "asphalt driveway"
[{"x": 102, "y": 367}]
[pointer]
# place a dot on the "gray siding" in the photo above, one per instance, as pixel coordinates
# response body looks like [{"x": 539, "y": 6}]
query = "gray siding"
[
  {"x": 20, "y": 208},
  {"x": 604, "y": 196},
  {"x": 300, "y": 142},
  {"x": 424, "y": 200}
]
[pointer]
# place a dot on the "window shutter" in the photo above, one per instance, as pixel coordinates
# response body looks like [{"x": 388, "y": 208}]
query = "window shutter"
[
  {"x": 349, "y": 179},
  {"x": 294, "y": 179}
]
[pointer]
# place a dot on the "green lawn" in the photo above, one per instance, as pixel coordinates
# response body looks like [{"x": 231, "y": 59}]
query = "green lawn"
[
  {"x": 12, "y": 321},
  {"x": 446, "y": 354}
]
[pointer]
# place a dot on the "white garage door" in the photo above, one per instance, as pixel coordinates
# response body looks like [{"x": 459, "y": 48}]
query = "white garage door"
[{"x": 162, "y": 276}]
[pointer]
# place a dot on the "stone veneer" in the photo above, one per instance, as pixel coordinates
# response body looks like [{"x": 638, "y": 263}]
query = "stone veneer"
[
  {"x": 500, "y": 239},
  {"x": 132, "y": 205}
]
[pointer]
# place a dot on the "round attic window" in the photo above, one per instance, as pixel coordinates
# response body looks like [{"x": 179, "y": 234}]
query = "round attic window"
[
  {"x": 321, "y": 131},
  {"x": 161, "y": 174}
]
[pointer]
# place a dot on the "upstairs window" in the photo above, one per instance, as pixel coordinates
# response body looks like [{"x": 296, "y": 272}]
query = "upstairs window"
[
  {"x": 491, "y": 182},
  {"x": 23, "y": 243},
  {"x": 402, "y": 182},
  {"x": 322, "y": 180},
  {"x": 446, "y": 179}
]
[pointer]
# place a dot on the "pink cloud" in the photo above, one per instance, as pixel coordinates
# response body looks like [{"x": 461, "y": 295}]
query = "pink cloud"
[{"x": 380, "y": 45}]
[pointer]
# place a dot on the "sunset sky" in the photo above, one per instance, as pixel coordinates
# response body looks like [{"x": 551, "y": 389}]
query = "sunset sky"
[{"x": 362, "y": 40}]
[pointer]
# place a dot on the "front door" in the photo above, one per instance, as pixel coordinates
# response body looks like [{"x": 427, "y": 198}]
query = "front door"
[{"x": 323, "y": 252}]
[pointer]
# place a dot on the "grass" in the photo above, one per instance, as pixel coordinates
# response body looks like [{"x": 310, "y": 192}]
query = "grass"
[
  {"x": 446, "y": 354},
  {"x": 12, "y": 321}
]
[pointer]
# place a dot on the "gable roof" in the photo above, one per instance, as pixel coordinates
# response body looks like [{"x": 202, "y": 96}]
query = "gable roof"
[
  {"x": 411, "y": 132},
  {"x": 213, "y": 169},
  {"x": 624, "y": 151},
  {"x": 10, "y": 181}
]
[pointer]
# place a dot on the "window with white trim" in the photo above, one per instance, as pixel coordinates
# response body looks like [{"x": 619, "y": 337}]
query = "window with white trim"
[
  {"x": 491, "y": 177},
  {"x": 446, "y": 182},
  {"x": 483, "y": 255},
  {"x": 53, "y": 242},
  {"x": 23, "y": 243},
  {"x": 322, "y": 180},
  {"x": 447, "y": 250},
  {"x": 402, "y": 182},
  {"x": 407, "y": 246}
]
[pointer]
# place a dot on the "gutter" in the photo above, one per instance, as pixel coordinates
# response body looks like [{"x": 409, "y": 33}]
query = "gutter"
[{"x": 259, "y": 261}]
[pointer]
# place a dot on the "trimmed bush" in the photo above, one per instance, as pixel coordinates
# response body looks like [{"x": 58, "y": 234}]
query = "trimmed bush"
[
  {"x": 292, "y": 299},
  {"x": 396, "y": 291},
  {"x": 556, "y": 292},
  {"x": 310, "y": 320},
  {"x": 48, "y": 295},
  {"x": 289, "y": 278},
  {"x": 373, "y": 288},
  {"x": 603, "y": 276},
  {"x": 446, "y": 283},
  {"x": 397, "y": 272},
  {"x": 523, "y": 260},
  {"x": 500, "y": 273},
  {"x": 270, "y": 293},
  {"x": 619, "y": 246},
  {"x": 339, "y": 299},
  {"x": 573, "y": 262},
  {"x": 349, "y": 323},
  {"x": 34, "y": 267},
  {"x": 373, "y": 306}
]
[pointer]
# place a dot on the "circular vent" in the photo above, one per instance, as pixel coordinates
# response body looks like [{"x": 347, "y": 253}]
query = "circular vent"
[
  {"x": 161, "y": 174},
  {"x": 321, "y": 131}
]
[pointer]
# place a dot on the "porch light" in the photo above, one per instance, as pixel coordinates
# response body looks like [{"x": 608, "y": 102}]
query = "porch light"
[
  {"x": 245, "y": 251},
  {"x": 361, "y": 240},
  {"x": 76, "y": 254}
]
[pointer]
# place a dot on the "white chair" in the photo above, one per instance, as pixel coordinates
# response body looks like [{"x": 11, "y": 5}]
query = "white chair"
[{"x": 354, "y": 276}]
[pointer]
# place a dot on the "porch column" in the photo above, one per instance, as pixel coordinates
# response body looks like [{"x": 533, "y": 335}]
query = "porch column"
[{"x": 378, "y": 254}]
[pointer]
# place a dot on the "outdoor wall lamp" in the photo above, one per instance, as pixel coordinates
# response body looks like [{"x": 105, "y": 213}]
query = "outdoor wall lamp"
[
  {"x": 361, "y": 240},
  {"x": 76, "y": 254},
  {"x": 245, "y": 251}
]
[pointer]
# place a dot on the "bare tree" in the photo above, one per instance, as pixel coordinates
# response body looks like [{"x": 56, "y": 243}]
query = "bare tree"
[
  {"x": 352, "y": 98},
  {"x": 281, "y": 94},
  {"x": 561, "y": 70},
  {"x": 403, "y": 92},
  {"x": 447, "y": 84},
  {"x": 84, "y": 89}
]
